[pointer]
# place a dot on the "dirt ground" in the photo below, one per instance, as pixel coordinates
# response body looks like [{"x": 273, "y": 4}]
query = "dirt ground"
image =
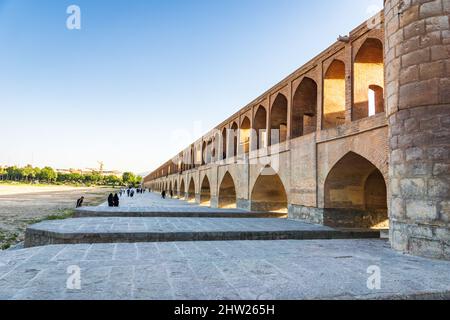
[{"x": 24, "y": 205}]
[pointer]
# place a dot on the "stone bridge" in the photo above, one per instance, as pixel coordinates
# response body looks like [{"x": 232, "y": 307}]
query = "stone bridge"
[{"x": 358, "y": 137}]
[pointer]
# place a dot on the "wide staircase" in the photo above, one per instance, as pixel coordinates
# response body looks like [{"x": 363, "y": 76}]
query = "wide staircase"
[{"x": 148, "y": 218}]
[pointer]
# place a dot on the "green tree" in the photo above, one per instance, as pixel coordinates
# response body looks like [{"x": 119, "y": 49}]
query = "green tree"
[
  {"x": 13, "y": 173},
  {"x": 75, "y": 177},
  {"x": 112, "y": 180},
  {"x": 48, "y": 174},
  {"x": 128, "y": 178},
  {"x": 138, "y": 180},
  {"x": 2, "y": 173},
  {"x": 28, "y": 173},
  {"x": 64, "y": 177}
]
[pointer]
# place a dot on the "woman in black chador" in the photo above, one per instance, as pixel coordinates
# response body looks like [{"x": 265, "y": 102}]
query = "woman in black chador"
[
  {"x": 111, "y": 200},
  {"x": 116, "y": 200}
]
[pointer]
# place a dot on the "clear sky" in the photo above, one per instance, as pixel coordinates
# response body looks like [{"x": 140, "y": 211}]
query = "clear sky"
[{"x": 144, "y": 78}]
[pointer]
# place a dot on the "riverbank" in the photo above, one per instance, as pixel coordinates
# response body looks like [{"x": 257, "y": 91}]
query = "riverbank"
[{"x": 21, "y": 205}]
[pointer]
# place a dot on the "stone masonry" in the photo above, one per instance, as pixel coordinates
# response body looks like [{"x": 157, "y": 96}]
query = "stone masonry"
[{"x": 418, "y": 107}]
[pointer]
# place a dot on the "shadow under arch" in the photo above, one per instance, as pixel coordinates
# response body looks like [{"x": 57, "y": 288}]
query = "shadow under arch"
[
  {"x": 176, "y": 192},
  {"x": 182, "y": 192},
  {"x": 191, "y": 191},
  {"x": 205, "y": 192},
  {"x": 355, "y": 194},
  {"x": 269, "y": 193},
  {"x": 227, "y": 192}
]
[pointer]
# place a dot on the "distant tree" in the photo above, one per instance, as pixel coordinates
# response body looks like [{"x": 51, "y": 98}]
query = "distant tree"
[
  {"x": 14, "y": 173},
  {"x": 112, "y": 180},
  {"x": 48, "y": 174},
  {"x": 37, "y": 172},
  {"x": 64, "y": 177},
  {"x": 96, "y": 178},
  {"x": 138, "y": 180},
  {"x": 128, "y": 178},
  {"x": 76, "y": 177},
  {"x": 28, "y": 173}
]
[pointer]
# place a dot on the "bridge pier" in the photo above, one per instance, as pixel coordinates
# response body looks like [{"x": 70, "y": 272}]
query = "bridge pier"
[{"x": 418, "y": 106}]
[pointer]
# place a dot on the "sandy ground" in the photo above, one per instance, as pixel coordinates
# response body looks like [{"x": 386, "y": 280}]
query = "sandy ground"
[{"x": 23, "y": 205}]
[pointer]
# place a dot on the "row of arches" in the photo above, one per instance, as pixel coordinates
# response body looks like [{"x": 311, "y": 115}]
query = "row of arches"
[
  {"x": 368, "y": 84},
  {"x": 353, "y": 184},
  {"x": 368, "y": 100},
  {"x": 268, "y": 125}
]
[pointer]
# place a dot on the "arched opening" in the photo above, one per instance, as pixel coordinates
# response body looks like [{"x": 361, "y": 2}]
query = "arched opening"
[
  {"x": 269, "y": 194},
  {"x": 224, "y": 143},
  {"x": 227, "y": 192},
  {"x": 234, "y": 134},
  {"x": 215, "y": 147},
  {"x": 209, "y": 147},
  {"x": 278, "y": 120},
  {"x": 170, "y": 189},
  {"x": 182, "y": 193},
  {"x": 205, "y": 192},
  {"x": 176, "y": 192},
  {"x": 368, "y": 80},
  {"x": 260, "y": 129},
  {"x": 244, "y": 135},
  {"x": 204, "y": 151},
  {"x": 304, "y": 108},
  {"x": 355, "y": 195},
  {"x": 191, "y": 191},
  {"x": 376, "y": 100},
  {"x": 191, "y": 158},
  {"x": 334, "y": 95}
]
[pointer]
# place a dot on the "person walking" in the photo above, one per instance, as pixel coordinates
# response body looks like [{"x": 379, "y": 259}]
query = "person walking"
[
  {"x": 116, "y": 201},
  {"x": 80, "y": 202},
  {"x": 163, "y": 194},
  {"x": 110, "y": 200}
]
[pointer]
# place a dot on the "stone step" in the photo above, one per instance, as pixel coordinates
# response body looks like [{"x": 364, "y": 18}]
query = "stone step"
[
  {"x": 134, "y": 230},
  {"x": 173, "y": 212},
  {"x": 384, "y": 233}
]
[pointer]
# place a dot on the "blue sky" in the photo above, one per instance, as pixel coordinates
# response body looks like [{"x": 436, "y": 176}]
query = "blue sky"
[{"x": 144, "y": 78}]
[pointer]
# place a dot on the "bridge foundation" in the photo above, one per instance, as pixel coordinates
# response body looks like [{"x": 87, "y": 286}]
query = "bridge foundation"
[{"x": 418, "y": 106}]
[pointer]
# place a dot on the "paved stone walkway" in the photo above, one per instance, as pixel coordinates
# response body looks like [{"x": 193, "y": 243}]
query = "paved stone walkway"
[
  {"x": 334, "y": 269},
  {"x": 152, "y": 205},
  {"x": 110, "y": 230},
  {"x": 153, "y": 201},
  {"x": 219, "y": 270}
]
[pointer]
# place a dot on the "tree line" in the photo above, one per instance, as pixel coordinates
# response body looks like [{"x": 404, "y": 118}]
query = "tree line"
[{"x": 30, "y": 174}]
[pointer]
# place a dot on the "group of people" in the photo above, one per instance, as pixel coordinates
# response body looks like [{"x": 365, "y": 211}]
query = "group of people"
[
  {"x": 164, "y": 194},
  {"x": 130, "y": 192},
  {"x": 113, "y": 200}
]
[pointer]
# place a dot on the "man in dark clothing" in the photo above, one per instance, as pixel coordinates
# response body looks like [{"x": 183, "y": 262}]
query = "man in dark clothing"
[
  {"x": 110, "y": 200},
  {"x": 163, "y": 194},
  {"x": 128, "y": 192},
  {"x": 116, "y": 200},
  {"x": 80, "y": 202}
]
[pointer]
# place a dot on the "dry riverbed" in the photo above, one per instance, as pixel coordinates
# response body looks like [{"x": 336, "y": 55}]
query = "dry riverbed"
[{"x": 23, "y": 205}]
